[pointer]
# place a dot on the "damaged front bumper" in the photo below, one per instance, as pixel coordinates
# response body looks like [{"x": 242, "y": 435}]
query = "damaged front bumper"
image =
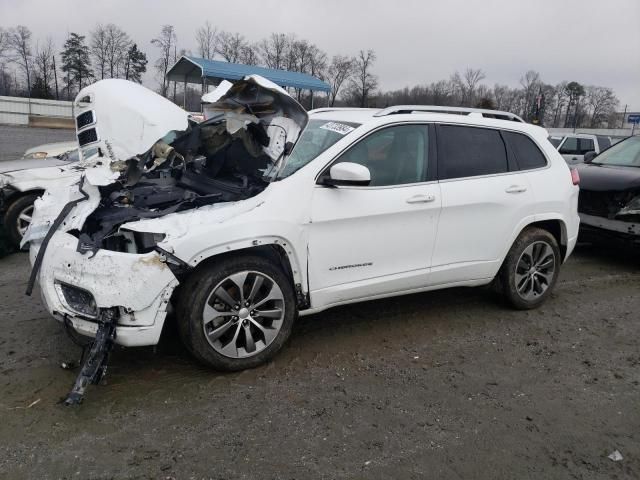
[
  {"x": 601, "y": 226},
  {"x": 139, "y": 286}
]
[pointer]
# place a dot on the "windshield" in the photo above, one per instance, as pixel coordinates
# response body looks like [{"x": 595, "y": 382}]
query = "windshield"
[
  {"x": 315, "y": 139},
  {"x": 622, "y": 154}
]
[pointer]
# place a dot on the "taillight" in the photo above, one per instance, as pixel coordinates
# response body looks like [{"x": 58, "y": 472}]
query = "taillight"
[{"x": 575, "y": 176}]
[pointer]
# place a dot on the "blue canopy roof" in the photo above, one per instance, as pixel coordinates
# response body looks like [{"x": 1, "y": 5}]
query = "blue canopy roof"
[{"x": 194, "y": 69}]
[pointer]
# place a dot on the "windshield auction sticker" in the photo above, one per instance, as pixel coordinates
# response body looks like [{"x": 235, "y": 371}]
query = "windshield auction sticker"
[{"x": 340, "y": 128}]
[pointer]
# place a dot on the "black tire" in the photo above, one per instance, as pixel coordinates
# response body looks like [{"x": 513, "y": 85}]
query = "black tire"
[
  {"x": 517, "y": 273},
  {"x": 195, "y": 292},
  {"x": 11, "y": 217}
]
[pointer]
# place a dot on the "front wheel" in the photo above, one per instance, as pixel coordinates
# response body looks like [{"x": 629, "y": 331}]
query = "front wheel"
[
  {"x": 531, "y": 269},
  {"x": 237, "y": 313},
  {"x": 18, "y": 218}
]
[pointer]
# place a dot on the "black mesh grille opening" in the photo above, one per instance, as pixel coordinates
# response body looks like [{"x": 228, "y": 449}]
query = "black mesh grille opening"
[
  {"x": 79, "y": 300},
  {"x": 88, "y": 136},
  {"x": 84, "y": 119}
]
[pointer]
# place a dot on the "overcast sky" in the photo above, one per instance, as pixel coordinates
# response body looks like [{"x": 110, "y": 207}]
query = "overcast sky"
[{"x": 417, "y": 41}]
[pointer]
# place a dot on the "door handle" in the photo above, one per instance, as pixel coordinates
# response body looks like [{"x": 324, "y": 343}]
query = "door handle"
[
  {"x": 421, "y": 199},
  {"x": 516, "y": 189}
]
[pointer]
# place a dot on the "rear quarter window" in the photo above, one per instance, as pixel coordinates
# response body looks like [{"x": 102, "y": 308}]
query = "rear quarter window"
[
  {"x": 528, "y": 155},
  {"x": 469, "y": 152}
]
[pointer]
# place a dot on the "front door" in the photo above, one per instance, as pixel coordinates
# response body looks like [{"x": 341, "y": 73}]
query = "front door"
[{"x": 376, "y": 240}]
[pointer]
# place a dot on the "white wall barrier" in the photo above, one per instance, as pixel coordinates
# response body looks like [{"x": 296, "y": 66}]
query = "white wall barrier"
[{"x": 16, "y": 110}]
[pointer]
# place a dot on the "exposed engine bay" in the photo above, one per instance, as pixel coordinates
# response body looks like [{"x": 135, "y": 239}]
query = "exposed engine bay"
[{"x": 229, "y": 157}]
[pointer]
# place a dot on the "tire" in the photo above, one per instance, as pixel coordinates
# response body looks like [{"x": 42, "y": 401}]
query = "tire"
[
  {"x": 14, "y": 218},
  {"x": 227, "y": 345},
  {"x": 530, "y": 270}
]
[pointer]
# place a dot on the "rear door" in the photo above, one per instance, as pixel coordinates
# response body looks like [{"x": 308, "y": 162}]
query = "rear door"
[{"x": 484, "y": 199}]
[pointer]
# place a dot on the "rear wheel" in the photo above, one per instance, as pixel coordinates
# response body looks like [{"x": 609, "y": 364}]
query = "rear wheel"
[
  {"x": 17, "y": 218},
  {"x": 531, "y": 269},
  {"x": 236, "y": 313}
]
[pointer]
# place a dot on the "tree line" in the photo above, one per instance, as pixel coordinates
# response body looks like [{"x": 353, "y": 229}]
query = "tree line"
[
  {"x": 108, "y": 52},
  {"x": 46, "y": 73}
]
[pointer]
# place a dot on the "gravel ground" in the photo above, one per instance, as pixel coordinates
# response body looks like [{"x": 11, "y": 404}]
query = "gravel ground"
[
  {"x": 14, "y": 140},
  {"x": 448, "y": 384}
]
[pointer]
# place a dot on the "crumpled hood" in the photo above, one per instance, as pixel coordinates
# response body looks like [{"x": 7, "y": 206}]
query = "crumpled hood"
[
  {"x": 125, "y": 119},
  {"x": 258, "y": 93}
]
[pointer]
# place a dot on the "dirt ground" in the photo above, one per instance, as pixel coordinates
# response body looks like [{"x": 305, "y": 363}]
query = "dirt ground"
[{"x": 448, "y": 384}]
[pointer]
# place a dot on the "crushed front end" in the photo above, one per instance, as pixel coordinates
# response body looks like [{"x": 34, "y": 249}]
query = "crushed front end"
[{"x": 98, "y": 273}]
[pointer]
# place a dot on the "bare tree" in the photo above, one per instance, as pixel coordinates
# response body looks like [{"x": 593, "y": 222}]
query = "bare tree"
[
  {"x": 273, "y": 50},
  {"x": 317, "y": 62},
  {"x": 531, "y": 85},
  {"x": 207, "y": 39},
  {"x": 230, "y": 46},
  {"x": 465, "y": 85},
  {"x": 560, "y": 97},
  {"x": 166, "y": 42},
  {"x": 118, "y": 44},
  {"x": 472, "y": 77},
  {"x": 363, "y": 82},
  {"x": 44, "y": 64},
  {"x": 249, "y": 55},
  {"x": 4, "y": 42},
  {"x": 339, "y": 71},
  {"x": 99, "y": 49},
  {"x": 20, "y": 45},
  {"x": 603, "y": 102}
]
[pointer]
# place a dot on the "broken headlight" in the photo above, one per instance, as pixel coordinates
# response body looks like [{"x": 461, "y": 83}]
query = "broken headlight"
[
  {"x": 77, "y": 300},
  {"x": 147, "y": 242},
  {"x": 127, "y": 241}
]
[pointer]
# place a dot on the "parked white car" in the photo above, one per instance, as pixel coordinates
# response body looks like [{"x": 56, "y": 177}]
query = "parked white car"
[
  {"x": 574, "y": 146},
  {"x": 49, "y": 150},
  {"x": 239, "y": 225},
  {"x": 24, "y": 180}
]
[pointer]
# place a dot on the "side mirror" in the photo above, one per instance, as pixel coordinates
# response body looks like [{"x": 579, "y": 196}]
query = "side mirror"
[
  {"x": 348, "y": 174},
  {"x": 589, "y": 156}
]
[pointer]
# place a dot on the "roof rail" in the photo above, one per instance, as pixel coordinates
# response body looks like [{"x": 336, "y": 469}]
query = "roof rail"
[
  {"x": 337, "y": 109},
  {"x": 449, "y": 110}
]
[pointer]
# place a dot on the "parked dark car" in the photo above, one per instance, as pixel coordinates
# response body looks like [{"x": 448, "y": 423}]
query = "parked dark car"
[{"x": 609, "y": 202}]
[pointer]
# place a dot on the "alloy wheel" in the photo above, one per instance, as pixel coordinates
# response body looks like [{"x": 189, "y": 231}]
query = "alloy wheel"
[
  {"x": 24, "y": 220},
  {"x": 535, "y": 270},
  {"x": 243, "y": 314}
]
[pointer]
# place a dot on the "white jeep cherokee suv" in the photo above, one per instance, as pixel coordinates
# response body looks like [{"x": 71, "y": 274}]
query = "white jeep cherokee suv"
[{"x": 263, "y": 212}]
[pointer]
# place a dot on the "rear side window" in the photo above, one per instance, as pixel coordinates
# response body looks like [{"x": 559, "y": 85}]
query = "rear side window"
[
  {"x": 470, "y": 152},
  {"x": 527, "y": 153},
  {"x": 603, "y": 142},
  {"x": 586, "y": 145}
]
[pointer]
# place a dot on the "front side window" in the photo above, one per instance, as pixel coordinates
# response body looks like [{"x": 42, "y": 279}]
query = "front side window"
[
  {"x": 527, "y": 153},
  {"x": 570, "y": 146},
  {"x": 315, "y": 139},
  {"x": 586, "y": 145},
  {"x": 470, "y": 152},
  {"x": 394, "y": 156}
]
